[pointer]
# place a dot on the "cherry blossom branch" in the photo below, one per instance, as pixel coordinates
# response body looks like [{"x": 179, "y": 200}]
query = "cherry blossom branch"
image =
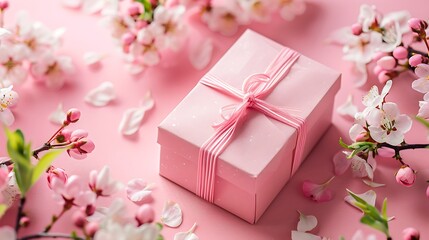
[
  {"x": 20, "y": 214},
  {"x": 50, "y": 235},
  {"x": 56, "y": 217},
  {"x": 397, "y": 149}
]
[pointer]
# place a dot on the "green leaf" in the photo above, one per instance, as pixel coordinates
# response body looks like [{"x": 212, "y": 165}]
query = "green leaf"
[
  {"x": 43, "y": 164},
  {"x": 343, "y": 144},
  {"x": 160, "y": 237},
  {"x": 381, "y": 226},
  {"x": 3, "y": 208},
  {"x": 160, "y": 226},
  {"x": 384, "y": 208},
  {"x": 423, "y": 121}
]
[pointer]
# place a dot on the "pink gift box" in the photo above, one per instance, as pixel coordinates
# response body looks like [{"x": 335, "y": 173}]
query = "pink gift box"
[{"x": 257, "y": 163}]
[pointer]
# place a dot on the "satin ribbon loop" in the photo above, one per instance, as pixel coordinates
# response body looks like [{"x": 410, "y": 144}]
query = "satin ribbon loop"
[{"x": 254, "y": 88}]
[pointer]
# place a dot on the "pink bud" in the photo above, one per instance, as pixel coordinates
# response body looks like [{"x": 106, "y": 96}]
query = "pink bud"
[
  {"x": 89, "y": 210},
  {"x": 415, "y": 60},
  {"x": 91, "y": 228},
  {"x": 411, "y": 234},
  {"x": 383, "y": 77},
  {"x": 134, "y": 9},
  {"x": 379, "y": 55},
  {"x": 362, "y": 137},
  {"x": 145, "y": 214},
  {"x": 79, "y": 219},
  {"x": 4, "y": 178},
  {"x": 400, "y": 53},
  {"x": 57, "y": 173},
  {"x": 140, "y": 24},
  {"x": 73, "y": 115},
  {"x": 417, "y": 25},
  {"x": 427, "y": 192},
  {"x": 63, "y": 136},
  {"x": 4, "y": 4},
  {"x": 24, "y": 221},
  {"x": 78, "y": 134},
  {"x": 357, "y": 29},
  {"x": 128, "y": 38},
  {"x": 377, "y": 70},
  {"x": 406, "y": 176},
  {"x": 387, "y": 62}
]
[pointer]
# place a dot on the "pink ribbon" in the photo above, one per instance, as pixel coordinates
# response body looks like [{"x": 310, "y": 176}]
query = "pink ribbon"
[{"x": 254, "y": 88}]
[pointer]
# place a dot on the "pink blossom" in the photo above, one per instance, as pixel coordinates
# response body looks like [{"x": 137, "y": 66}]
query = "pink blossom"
[
  {"x": 411, "y": 234},
  {"x": 4, "y": 4},
  {"x": 224, "y": 19},
  {"x": 417, "y": 25},
  {"x": 118, "y": 24},
  {"x": 290, "y": 9},
  {"x": 64, "y": 136},
  {"x": 361, "y": 168},
  {"x": 388, "y": 125},
  {"x": 8, "y": 98},
  {"x": 422, "y": 83},
  {"x": 169, "y": 25},
  {"x": 11, "y": 65},
  {"x": 66, "y": 193},
  {"x": 91, "y": 228},
  {"x": 406, "y": 176},
  {"x": 102, "y": 184},
  {"x": 424, "y": 107},
  {"x": 58, "y": 173},
  {"x": 73, "y": 115},
  {"x": 52, "y": 70},
  {"x": 387, "y": 62},
  {"x": 145, "y": 214},
  {"x": 400, "y": 53},
  {"x": 81, "y": 144},
  {"x": 259, "y": 10},
  {"x": 317, "y": 192},
  {"x": 145, "y": 49},
  {"x": 357, "y": 29},
  {"x": 415, "y": 60}
]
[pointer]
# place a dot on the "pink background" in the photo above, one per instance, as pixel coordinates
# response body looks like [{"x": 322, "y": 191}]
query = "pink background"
[{"x": 138, "y": 156}]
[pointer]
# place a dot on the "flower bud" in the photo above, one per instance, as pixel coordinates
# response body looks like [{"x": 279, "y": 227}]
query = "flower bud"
[
  {"x": 357, "y": 29},
  {"x": 415, "y": 60},
  {"x": 24, "y": 221},
  {"x": 400, "y": 53},
  {"x": 128, "y": 38},
  {"x": 417, "y": 25},
  {"x": 362, "y": 137},
  {"x": 406, "y": 176},
  {"x": 79, "y": 219},
  {"x": 91, "y": 228},
  {"x": 383, "y": 77},
  {"x": 57, "y": 173},
  {"x": 3, "y": 5},
  {"x": 63, "y": 136},
  {"x": 90, "y": 210},
  {"x": 145, "y": 214},
  {"x": 377, "y": 70},
  {"x": 141, "y": 24},
  {"x": 411, "y": 234},
  {"x": 387, "y": 62},
  {"x": 73, "y": 115},
  {"x": 134, "y": 9}
]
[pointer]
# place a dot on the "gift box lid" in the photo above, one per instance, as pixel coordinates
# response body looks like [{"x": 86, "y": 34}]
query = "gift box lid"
[{"x": 259, "y": 139}]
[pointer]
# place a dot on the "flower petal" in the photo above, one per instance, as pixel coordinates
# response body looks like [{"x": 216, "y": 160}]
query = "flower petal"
[
  {"x": 295, "y": 235},
  {"x": 422, "y": 70},
  {"x": 131, "y": 120},
  {"x": 92, "y": 58},
  {"x": 306, "y": 223},
  {"x": 189, "y": 235},
  {"x": 148, "y": 101},
  {"x": 369, "y": 196},
  {"x": 373, "y": 184},
  {"x": 201, "y": 53},
  {"x": 6, "y": 117},
  {"x": 134, "y": 69},
  {"x": 421, "y": 85},
  {"x": 101, "y": 95},
  {"x": 139, "y": 192},
  {"x": 317, "y": 192},
  {"x": 58, "y": 116},
  {"x": 71, "y": 3},
  {"x": 171, "y": 214},
  {"x": 341, "y": 163},
  {"x": 360, "y": 74},
  {"x": 348, "y": 108}
]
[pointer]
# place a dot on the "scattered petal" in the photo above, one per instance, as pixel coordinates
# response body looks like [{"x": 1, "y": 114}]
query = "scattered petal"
[
  {"x": 4, "y": 33},
  {"x": 171, "y": 214},
  {"x": 317, "y": 192},
  {"x": 134, "y": 69},
  {"x": 132, "y": 118},
  {"x": 139, "y": 192},
  {"x": 201, "y": 53},
  {"x": 306, "y": 222},
  {"x": 341, "y": 163},
  {"x": 369, "y": 196},
  {"x": 71, "y": 3},
  {"x": 348, "y": 108},
  {"x": 304, "y": 236},
  {"x": 92, "y": 58},
  {"x": 373, "y": 184},
  {"x": 189, "y": 235},
  {"x": 58, "y": 116},
  {"x": 101, "y": 95}
]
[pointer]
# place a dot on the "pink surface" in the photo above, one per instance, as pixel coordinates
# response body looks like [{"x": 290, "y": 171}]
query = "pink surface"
[
  {"x": 258, "y": 160},
  {"x": 138, "y": 156}
]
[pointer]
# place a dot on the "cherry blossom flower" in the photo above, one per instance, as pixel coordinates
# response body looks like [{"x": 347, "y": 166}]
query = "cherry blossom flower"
[
  {"x": 8, "y": 98},
  {"x": 291, "y": 8},
  {"x": 51, "y": 69},
  {"x": 224, "y": 19},
  {"x": 66, "y": 192},
  {"x": 57, "y": 173},
  {"x": 422, "y": 83},
  {"x": 11, "y": 65},
  {"x": 81, "y": 145},
  {"x": 102, "y": 184},
  {"x": 169, "y": 23},
  {"x": 259, "y": 10},
  {"x": 145, "y": 49},
  {"x": 117, "y": 24},
  {"x": 388, "y": 125},
  {"x": 373, "y": 99},
  {"x": 317, "y": 192},
  {"x": 424, "y": 107},
  {"x": 361, "y": 168}
]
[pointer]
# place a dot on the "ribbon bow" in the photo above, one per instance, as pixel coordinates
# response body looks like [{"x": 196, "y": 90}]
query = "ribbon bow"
[{"x": 254, "y": 89}]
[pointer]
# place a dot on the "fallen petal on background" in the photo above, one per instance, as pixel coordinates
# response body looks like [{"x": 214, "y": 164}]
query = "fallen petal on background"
[
  {"x": 147, "y": 102},
  {"x": 58, "y": 116},
  {"x": 306, "y": 222},
  {"x": 92, "y": 58},
  {"x": 369, "y": 196},
  {"x": 171, "y": 214},
  {"x": 131, "y": 121},
  {"x": 317, "y": 192},
  {"x": 139, "y": 192},
  {"x": 201, "y": 53},
  {"x": 348, "y": 108},
  {"x": 71, "y": 3},
  {"x": 304, "y": 236},
  {"x": 341, "y": 162},
  {"x": 101, "y": 95},
  {"x": 189, "y": 235},
  {"x": 373, "y": 184}
]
